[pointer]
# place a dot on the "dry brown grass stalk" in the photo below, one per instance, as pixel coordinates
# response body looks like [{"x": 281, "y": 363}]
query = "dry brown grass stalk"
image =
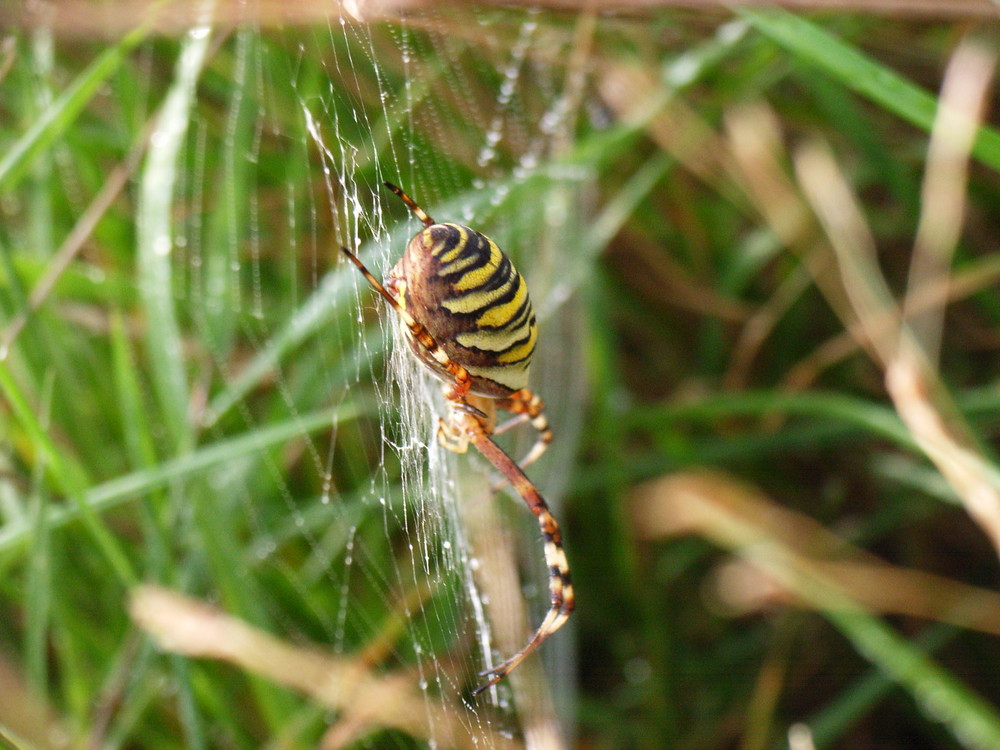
[
  {"x": 91, "y": 19},
  {"x": 781, "y": 551},
  {"x": 364, "y": 700}
]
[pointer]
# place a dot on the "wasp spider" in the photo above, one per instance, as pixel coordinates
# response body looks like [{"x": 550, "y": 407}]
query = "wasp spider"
[{"x": 466, "y": 313}]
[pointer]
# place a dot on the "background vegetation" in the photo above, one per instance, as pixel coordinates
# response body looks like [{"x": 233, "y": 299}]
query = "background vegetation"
[{"x": 782, "y": 504}]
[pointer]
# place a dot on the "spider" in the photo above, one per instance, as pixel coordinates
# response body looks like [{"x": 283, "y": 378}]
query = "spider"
[{"x": 466, "y": 314}]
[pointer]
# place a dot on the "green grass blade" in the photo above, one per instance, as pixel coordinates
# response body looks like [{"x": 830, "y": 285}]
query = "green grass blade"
[
  {"x": 860, "y": 73},
  {"x": 875, "y": 418},
  {"x": 328, "y": 302},
  {"x": 66, "y": 476},
  {"x": 939, "y": 695},
  {"x": 140, "y": 448},
  {"x": 123, "y": 489},
  {"x": 39, "y": 591},
  {"x": 829, "y": 724},
  {"x": 155, "y": 239},
  {"x": 972, "y": 721},
  {"x": 62, "y": 113}
]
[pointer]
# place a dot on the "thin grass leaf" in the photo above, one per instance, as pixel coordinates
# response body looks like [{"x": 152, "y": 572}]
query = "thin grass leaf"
[
  {"x": 155, "y": 240},
  {"x": 829, "y": 724},
  {"x": 114, "y": 492},
  {"x": 970, "y": 718},
  {"x": 736, "y": 517},
  {"x": 868, "y": 415},
  {"x": 62, "y": 113},
  {"x": 67, "y": 477},
  {"x": 329, "y": 302},
  {"x": 140, "y": 447},
  {"x": 858, "y": 72},
  {"x": 40, "y": 589}
]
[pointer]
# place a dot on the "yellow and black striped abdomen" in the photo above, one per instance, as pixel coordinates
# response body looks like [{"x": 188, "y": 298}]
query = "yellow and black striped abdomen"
[{"x": 475, "y": 304}]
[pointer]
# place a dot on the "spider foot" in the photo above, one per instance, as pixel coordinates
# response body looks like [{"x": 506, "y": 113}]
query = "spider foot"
[
  {"x": 466, "y": 408},
  {"x": 504, "y": 668},
  {"x": 450, "y": 438},
  {"x": 495, "y": 674}
]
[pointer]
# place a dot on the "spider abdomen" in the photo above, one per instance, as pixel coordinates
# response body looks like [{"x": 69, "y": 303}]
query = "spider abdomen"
[{"x": 475, "y": 304}]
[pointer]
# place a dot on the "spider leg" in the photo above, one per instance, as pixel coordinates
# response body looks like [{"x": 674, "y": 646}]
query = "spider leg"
[
  {"x": 411, "y": 204},
  {"x": 526, "y": 405},
  {"x": 510, "y": 424},
  {"x": 452, "y": 438},
  {"x": 562, "y": 600},
  {"x": 466, "y": 408},
  {"x": 419, "y": 334},
  {"x": 451, "y": 432}
]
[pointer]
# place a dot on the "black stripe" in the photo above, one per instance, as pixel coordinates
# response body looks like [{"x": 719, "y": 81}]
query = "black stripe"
[
  {"x": 497, "y": 353},
  {"x": 451, "y": 238},
  {"x": 497, "y": 279},
  {"x": 503, "y": 299},
  {"x": 524, "y": 316},
  {"x": 492, "y": 282},
  {"x": 474, "y": 246},
  {"x": 517, "y": 320},
  {"x": 520, "y": 342}
]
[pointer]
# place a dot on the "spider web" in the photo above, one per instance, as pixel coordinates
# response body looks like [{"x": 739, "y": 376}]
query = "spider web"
[{"x": 410, "y": 563}]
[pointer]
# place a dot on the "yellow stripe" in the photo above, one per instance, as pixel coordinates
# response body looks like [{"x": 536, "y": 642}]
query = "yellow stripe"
[
  {"x": 481, "y": 275},
  {"x": 557, "y": 558},
  {"x": 459, "y": 265},
  {"x": 493, "y": 340},
  {"x": 521, "y": 352},
  {"x": 514, "y": 377},
  {"x": 476, "y": 301},
  {"x": 428, "y": 242},
  {"x": 456, "y": 251},
  {"x": 498, "y": 315}
]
